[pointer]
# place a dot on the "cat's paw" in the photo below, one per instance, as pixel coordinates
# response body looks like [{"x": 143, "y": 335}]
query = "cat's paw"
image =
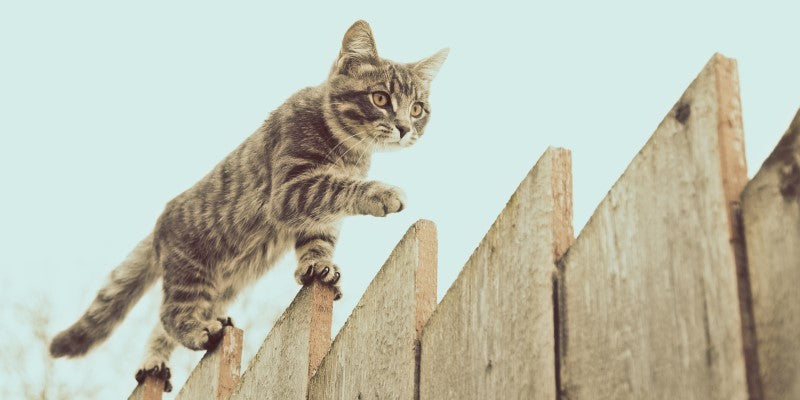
[
  {"x": 206, "y": 336},
  {"x": 157, "y": 369},
  {"x": 323, "y": 271},
  {"x": 381, "y": 200},
  {"x": 214, "y": 332}
]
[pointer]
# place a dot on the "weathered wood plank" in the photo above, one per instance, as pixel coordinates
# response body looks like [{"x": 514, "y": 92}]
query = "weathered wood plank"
[
  {"x": 292, "y": 350},
  {"x": 771, "y": 219},
  {"x": 151, "y": 389},
  {"x": 217, "y": 373},
  {"x": 648, "y": 296},
  {"x": 492, "y": 336},
  {"x": 374, "y": 356}
]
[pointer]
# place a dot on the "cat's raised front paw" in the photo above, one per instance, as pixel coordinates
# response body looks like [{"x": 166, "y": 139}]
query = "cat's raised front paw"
[{"x": 382, "y": 199}]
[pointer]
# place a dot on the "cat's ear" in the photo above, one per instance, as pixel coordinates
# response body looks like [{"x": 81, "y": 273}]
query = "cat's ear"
[
  {"x": 358, "y": 45},
  {"x": 358, "y": 41},
  {"x": 430, "y": 66}
]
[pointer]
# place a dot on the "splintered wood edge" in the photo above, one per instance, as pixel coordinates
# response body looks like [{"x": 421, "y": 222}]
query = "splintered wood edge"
[
  {"x": 425, "y": 278},
  {"x": 424, "y": 288},
  {"x": 730, "y": 134},
  {"x": 561, "y": 181},
  {"x": 563, "y": 236},
  {"x": 230, "y": 362},
  {"x": 319, "y": 339}
]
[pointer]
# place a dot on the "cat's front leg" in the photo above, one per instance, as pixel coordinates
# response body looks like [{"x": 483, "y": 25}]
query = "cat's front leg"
[
  {"x": 305, "y": 202},
  {"x": 314, "y": 252}
]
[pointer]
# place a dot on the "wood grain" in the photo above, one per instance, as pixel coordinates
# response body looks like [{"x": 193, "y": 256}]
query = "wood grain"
[
  {"x": 374, "y": 356},
  {"x": 151, "y": 389},
  {"x": 492, "y": 335},
  {"x": 649, "y": 300},
  {"x": 292, "y": 350},
  {"x": 217, "y": 373},
  {"x": 771, "y": 219}
]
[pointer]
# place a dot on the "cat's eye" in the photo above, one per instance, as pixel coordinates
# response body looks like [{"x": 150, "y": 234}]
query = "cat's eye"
[
  {"x": 380, "y": 99},
  {"x": 416, "y": 110}
]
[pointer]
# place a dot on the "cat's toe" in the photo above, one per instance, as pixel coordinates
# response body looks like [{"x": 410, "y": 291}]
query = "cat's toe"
[
  {"x": 382, "y": 200},
  {"x": 304, "y": 276},
  {"x": 160, "y": 372},
  {"x": 337, "y": 292},
  {"x": 329, "y": 274},
  {"x": 323, "y": 271}
]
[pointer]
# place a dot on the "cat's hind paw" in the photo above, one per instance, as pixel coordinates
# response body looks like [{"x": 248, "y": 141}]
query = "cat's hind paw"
[
  {"x": 161, "y": 372},
  {"x": 227, "y": 321},
  {"x": 215, "y": 331}
]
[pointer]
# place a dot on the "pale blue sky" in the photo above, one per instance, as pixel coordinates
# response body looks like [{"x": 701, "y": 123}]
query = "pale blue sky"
[{"x": 108, "y": 110}]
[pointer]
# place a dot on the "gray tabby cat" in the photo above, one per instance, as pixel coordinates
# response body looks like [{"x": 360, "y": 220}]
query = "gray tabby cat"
[{"x": 288, "y": 184}]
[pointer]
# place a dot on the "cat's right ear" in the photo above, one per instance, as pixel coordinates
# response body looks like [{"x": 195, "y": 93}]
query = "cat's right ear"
[{"x": 358, "y": 46}]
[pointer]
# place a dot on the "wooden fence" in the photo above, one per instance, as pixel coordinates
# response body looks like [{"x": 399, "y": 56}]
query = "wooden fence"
[{"x": 684, "y": 284}]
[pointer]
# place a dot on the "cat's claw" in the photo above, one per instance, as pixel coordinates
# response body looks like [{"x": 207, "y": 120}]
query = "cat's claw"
[
  {"x": 226, "y": 321},
  {"x": 308, "y": 276},
  {"x": 161, "y": 372},
  {"x": 324, "y": 272}
]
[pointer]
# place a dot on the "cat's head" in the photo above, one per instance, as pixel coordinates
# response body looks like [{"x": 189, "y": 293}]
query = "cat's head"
[{"x": 375, "y": 102}]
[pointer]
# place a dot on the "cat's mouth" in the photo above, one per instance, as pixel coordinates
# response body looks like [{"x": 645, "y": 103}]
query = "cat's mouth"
[
  {"x": 385, "y": 136},
  {"x": 388, "y": 138}
]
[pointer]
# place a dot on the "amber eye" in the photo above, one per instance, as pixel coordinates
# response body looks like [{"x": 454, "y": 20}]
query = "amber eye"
[
  {"x": 380, "y": 99},
  {"x": 416, "y": 110}
]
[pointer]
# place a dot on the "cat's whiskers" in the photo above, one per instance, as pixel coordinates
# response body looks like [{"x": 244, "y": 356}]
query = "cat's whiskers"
[
  {"x": 340, "y": 144},
  {"x": 364, "y": 154}
]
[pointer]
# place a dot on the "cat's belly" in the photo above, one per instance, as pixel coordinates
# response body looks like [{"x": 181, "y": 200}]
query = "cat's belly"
[{"x": 257, "y": 255}]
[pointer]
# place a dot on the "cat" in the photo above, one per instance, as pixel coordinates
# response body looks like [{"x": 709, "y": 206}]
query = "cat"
[{"x": 289, "y": 184}]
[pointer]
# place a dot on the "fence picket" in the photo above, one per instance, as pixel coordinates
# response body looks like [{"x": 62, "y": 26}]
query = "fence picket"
[
  {"x": 292, "y": 350},
  {"x": 492, "y": 335},
  {"x": 375, "y": 353},
  {"x": 648, "y": 291},
  {"x": 771, "y": 220},
  {"x": 217, "y": 373}
]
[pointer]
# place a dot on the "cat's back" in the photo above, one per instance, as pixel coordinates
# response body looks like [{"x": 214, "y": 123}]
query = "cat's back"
[{"x": 233, "y": 195}]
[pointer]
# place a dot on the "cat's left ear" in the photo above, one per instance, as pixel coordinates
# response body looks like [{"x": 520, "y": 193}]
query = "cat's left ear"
[
  {"x": 358, "y": 46},
  {"x": 430, "y": 66}
]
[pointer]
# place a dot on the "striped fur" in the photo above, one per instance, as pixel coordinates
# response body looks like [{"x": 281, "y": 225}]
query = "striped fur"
[{"x": 287, "y": 186}]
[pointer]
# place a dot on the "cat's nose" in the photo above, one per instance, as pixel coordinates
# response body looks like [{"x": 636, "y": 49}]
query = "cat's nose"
[{"x": 402, "y": 128}]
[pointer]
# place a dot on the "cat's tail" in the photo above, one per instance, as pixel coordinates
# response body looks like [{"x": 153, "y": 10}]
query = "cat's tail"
[{"x": 125, "y": 287}]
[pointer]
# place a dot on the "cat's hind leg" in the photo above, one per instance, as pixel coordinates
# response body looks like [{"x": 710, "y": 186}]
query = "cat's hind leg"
[
  {"x": 156, "y": 361},
  {"x": 188, "y": 309}
]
